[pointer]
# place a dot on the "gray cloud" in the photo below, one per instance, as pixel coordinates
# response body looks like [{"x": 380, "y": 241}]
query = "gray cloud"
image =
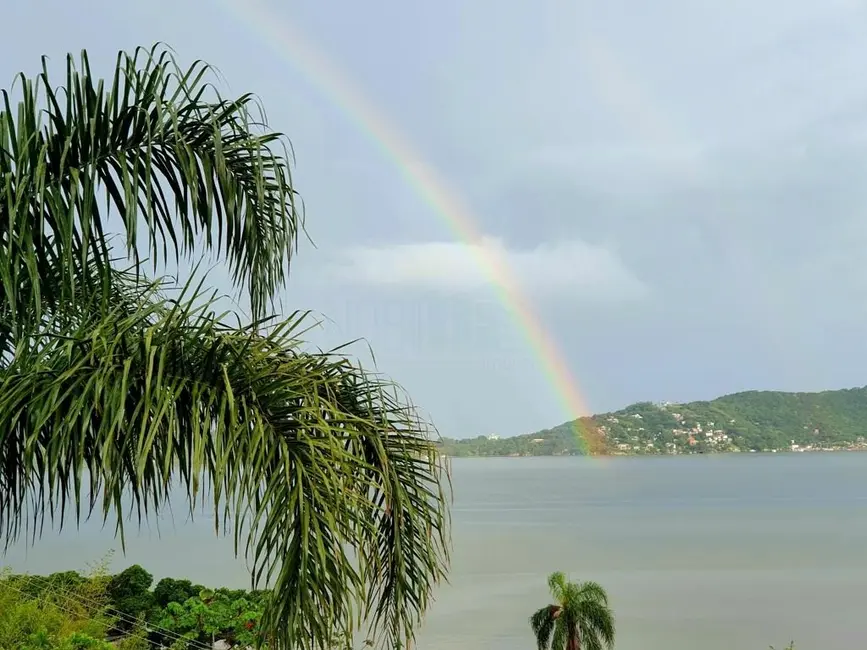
[{"x": 714, "y": 153}]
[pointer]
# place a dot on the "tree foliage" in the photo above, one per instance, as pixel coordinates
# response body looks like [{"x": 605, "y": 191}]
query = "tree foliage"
[
  {"x": 170, "y": 590},
  {"x": 130, "y": 594},
  {"x": 124, "y": 608},
  {"x": 116, "y": 384},
  {"x": 53, "y": 613},
  {"x": 214, "y": 615}
]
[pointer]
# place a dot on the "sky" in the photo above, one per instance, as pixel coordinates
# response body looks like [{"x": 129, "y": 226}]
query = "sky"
[{"x": 679, "y": 186}]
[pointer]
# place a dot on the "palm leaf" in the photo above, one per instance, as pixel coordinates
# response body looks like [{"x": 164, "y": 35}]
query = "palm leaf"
[
  {"x": 542, "y": 624},
  {"x": 561, "y": 636},
  {"x": 304, "y": 453},
  {"x": 169, "y": 154},
  {"x": 591, "y": 592},
  {"x": 558, "y": 586},
  {"x": 597, "y": 625}
]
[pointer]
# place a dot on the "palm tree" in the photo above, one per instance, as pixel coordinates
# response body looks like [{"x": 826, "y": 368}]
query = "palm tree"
[
  {"x": 580, "y": 619},
  {"x": 118, "y": 383}
]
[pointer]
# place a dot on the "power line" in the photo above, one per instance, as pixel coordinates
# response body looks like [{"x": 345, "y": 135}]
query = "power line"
[
  {"x": 87, "y": 602},
  {"x": 121, "y": 615},
  {"x": 8, "y": 585}
]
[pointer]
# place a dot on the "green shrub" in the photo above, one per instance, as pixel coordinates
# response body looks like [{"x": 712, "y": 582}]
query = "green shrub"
[{"x": 52, "y": 614}]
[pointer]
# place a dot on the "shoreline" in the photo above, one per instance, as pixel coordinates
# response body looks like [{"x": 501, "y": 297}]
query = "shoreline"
[{"x": 786, "y": 452}]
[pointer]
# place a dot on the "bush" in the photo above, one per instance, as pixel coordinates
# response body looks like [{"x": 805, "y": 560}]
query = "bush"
[{"x": 44, "y": 614}]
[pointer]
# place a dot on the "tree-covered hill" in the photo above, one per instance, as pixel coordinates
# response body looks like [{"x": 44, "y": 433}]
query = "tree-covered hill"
[{"x": 748, "y": 421}]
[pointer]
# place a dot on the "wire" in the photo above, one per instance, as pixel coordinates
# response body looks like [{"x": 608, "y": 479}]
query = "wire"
[
  {"x": 8, "y": 585},
  {"x": 121, "y": 615},
  {"x": 82, "y": 600}
]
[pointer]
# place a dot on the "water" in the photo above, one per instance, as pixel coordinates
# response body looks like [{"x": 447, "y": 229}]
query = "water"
[{"x": 711, "y": 552}]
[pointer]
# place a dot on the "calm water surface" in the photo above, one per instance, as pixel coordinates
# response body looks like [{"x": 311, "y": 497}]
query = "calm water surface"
[{"x": 710, "y": 552}]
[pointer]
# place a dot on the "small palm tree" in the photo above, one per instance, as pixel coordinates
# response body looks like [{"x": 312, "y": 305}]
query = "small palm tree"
[{"x": 580, "y": 618}]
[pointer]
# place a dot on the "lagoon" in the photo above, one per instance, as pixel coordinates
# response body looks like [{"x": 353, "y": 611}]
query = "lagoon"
[{"x": 713, "y": 552}]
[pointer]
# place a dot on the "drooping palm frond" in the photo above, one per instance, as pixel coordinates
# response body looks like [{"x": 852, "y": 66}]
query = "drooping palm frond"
[
  {"x": 307, "y": 455},
  {"x": 542, "y": 624},
  {"x": 329, "y": 480},
  {"x": 560, "y": 639},
  {"x": 596, "y": 623}
]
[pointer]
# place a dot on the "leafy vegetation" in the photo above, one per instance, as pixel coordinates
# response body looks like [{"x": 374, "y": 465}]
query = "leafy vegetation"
[
  {"x": 117, "y": 382},
  {"x": 749, "y": 421},
  {"x": 579, "y": 617},
  {"x": 130, "y": 596},
  {"x": 69, "y": 608},
  {"x": 64, "y": 611}
]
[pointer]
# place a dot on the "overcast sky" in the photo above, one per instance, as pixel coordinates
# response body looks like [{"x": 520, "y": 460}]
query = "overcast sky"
[{"x": 679, "y": 185}]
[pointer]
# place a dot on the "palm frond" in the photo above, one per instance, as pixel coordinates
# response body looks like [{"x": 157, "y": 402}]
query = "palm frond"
[
  {"x": 558, "y": 584},
  {"x": 561, "y": 636},
  {"x": 542, "y": 624},
  {"x": 591, "y": 591},
  {"x": 597, "y": 625},
  {"x": 335, "y": 483},
  {"x": 175, "y": 161}
]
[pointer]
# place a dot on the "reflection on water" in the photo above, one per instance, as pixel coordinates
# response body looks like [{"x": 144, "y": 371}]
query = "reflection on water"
[{"x": 711, "y": 552}]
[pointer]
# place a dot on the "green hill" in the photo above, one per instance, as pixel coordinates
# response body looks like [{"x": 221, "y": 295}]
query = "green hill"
[{"x": 749, "y": 421}]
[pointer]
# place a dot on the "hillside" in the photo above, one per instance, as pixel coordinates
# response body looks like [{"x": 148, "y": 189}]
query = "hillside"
[{"x": 749, "y": 421}]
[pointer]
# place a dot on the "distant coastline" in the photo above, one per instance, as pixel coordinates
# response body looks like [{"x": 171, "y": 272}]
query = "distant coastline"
[
  {"x": 784, "y": 452},
  {"x": 748, "y": 422}
]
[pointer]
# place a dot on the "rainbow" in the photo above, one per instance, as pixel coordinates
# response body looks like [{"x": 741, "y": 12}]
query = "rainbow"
[{"x": 287, "y": 43}]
